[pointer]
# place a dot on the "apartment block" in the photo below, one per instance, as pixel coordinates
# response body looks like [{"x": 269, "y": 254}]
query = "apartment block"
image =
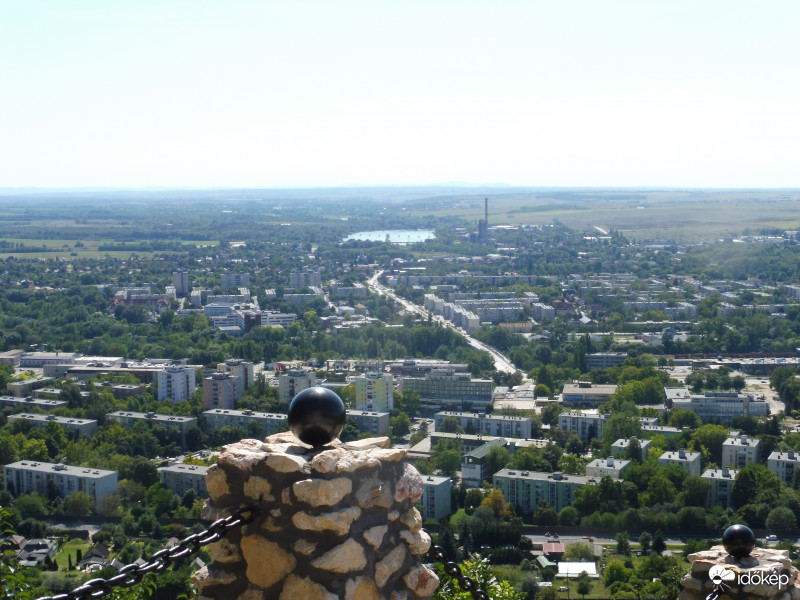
[
  {"x": 623, "y": 444},
  {"x": 436, "y": 502},
  {"x": 739, "y": 451},
  {"x": 375, "y": 392},
  {"x": 611, "y": 466},
  {"x": 176, "y": 383},
  {"x": 490, "y": 424},
  {"x": 84, "y": 427},
  {"x": 181, "y": 283},
  {"x": 235, "y": 280},
  {"x": 28, "y": 476},
  {"x": 690, "y": 461},
  {"x": 30, "y": 402},
  {"x": 268, "y": 423},
  {"x": 128, "y": 418},
  {"x": 20, "y": 389},
  {"x": 723, "y": 406},
  {"x": 221, "y": 390},
  {"x": 603, "y": 360},
  {"x": 474, "y": 470},
  {"x": 240, "y": 368},
  {"x": 447, "y": 387},
  {"x": 376, "y": 423},
  {"x": 180, "y": 478},
  {"x": 720, "y": 491},
  {"x": 784, "y": 464},
  {"x": 588, "y": 425},
  {"x": 294, "y": 381},
  {"x": 524, "y": 489}
]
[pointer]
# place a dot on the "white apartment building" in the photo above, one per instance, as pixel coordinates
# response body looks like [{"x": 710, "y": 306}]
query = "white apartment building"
[
  {"x": 722, "y": 406},
  {"x": 294, "y": 381},
  {"x": 621, "y": 446},
  {"x": 127, "y": 418},
  {"x": 235, "y": 280},
  {"x": 489, "y": 424},
  {"x": 436, "y": 497},
  {"x": 739, "y": 451},
  {"x": 611, "y": 466},
  {"x": 176, "y": 383},
  {"x": 784, "y": 464},
  {"x": 587, "y": 425},
  {"x": 84, "y": 427},
  {"x": 240, "y": 368},
  {"x": 28, "y": 476},
  {"x": 180, "y": 478},
  {"x": 375, "y": 423},
  {"x": 375, "y": 392},
  {"x": 30, "y": 402},
  {"x": 277, "y": 319},
  {"x": 181, "y": 283},
  {"x": 720, "y": 492},
  {"x": 524, "y": 489},
  {"x": 443, "y": 387},
  {"x": 690, "y": 461},
  {"x": 268, "y": 423}
]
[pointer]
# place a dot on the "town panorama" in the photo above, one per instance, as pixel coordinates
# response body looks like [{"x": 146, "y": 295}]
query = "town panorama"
[{"x": 604, "y": 377}]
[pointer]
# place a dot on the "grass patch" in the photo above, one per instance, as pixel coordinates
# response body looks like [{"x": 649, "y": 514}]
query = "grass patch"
[
  {"x": 69, "y": 549},
  {"x": 456, "y": 517}
]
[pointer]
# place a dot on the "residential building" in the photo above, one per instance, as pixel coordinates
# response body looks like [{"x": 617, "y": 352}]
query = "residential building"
[
  {"x": 468, "y": 441},
  {"x": 611, "y": 466},
  {"x": 623, "y": 444},
  {"x": 235, "y": 280},
  {"x": 180, "y": 478},
  {"x": 294, "y": 381},
  {"x": 490, "y": 424},
  {"x": 20, "y": 389},
  {"x": 723, "y": 406},
  {"x": 181, "y": 283},
  {"x": 176, "y": 383},
  {"x": 31, "y": 402},
  {"x": 376, "y": 423},
  {"x": 665, "y": 430},
  {"x": 265, "y": 423},
  {"x": 588, "y": 424},
  {"x": 28, "y": 476},
  {"x": 221, "y": 390},
  {"x": 721, "y": 488},
  {"x": 420, "y": 367},
  {"x": 375, "y": 391},
  {"x": 446, "y": 387},
  {"x": 277, "y": 319},
  {"x": 784, "y": 464},
  {"x": 474, "y": 470},
  {"x": 84, "y": 427},
  {"x": 127, "y": 418},
  {"x": 240, "y": 368},
  {"x": 524, "y": 489},
  {"x": 690, "y": 461},
  {"x": 436, "y": 503},
  {"x": 739, "y": 451},
  {"x": 603, "y": 360},
  {"x": 37, "y": 360},
  {"x": 585, "y": 394},
  {"x": 308, "y": 277}
]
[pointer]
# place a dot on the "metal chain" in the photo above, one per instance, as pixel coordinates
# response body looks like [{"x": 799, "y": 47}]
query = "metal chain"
[
  {"x": 467, "y": 584},
  {"x": 130, "y": 575}
]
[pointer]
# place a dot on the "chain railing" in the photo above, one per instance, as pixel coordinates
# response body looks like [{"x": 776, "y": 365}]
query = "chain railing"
[
  {"x": 130, "y": 575},
  {"x": 466, "y": 583}
]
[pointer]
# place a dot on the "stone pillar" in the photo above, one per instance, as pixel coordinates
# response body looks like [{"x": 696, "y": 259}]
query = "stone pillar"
[
  {"x": 766, "y": 574},
  {"x": 335, "y": 522}
]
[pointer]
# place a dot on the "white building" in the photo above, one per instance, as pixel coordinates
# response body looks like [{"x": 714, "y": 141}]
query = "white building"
[
  {"x": 690, "y": 461},
  {"x": 621, "y": 446},
  {"x": 375, "y": 423},
  {"x": 84, "y": 427},
  {"x": 240, "y": 368},
  {"x": 268, "y": 423},
  {"x": 587, "y": 425},
  {"x": 180, "y": 478},
  {"x": 235, "y": 280},
  {"x": 294, "y": 381},
  {"x": 740, "y": 451},
  {"x": 375, "y": 392},
  {"x": 176, "y": 383},
  {"x": 28, "y": 476},
  {"x": 720, "y": 491},
  {"x": 221, "y": 390},
  {"x": 490, "y": 424},
  {"x": 721, "y": 406},
  {"x": 784, "y": 464},
  {"x": 613, "y": 467},
  {"x": 436, "y": 497}
]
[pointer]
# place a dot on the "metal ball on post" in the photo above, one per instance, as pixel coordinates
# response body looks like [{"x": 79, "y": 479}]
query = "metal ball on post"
[{"x": 317, "y": 416}]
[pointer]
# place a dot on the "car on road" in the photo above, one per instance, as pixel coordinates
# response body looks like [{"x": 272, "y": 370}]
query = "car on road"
[{"x": 772, "y": 538}]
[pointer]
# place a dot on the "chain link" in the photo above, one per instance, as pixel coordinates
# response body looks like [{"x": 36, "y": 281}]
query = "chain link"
[
  {"x": 130, "y": 575},
  {"x": 467, "y": 584}
]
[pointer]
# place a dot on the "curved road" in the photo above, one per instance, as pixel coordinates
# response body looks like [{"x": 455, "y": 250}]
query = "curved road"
[{"x": 501, "y": 363}]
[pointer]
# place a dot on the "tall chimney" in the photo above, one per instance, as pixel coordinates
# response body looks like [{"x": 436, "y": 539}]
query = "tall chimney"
[{"x": 486, "y": 213}]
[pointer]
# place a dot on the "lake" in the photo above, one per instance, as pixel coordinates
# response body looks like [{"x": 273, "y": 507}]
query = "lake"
[{"x": 393, "y": 236}]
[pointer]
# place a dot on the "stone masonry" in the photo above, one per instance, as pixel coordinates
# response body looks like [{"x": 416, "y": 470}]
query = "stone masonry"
[
  {"x": 334, "y": 523},
  {"x": 766, "y": 574}
]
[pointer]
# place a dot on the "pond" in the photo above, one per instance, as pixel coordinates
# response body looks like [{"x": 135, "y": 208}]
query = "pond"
[{"x": 393, "y": 236}]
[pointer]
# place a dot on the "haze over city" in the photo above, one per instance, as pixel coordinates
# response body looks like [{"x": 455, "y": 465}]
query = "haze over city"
[{"x": 262, "y": 94}]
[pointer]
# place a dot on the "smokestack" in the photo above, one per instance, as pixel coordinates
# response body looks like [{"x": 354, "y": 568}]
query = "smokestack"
[{"x": 486, "y": 213}]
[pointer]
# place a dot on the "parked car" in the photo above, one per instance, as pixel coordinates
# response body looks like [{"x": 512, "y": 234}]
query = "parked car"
[{"x": 772, "y": 537}]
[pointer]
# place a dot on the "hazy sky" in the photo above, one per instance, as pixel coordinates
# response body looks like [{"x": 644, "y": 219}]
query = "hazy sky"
[{"x": 238, "y": 93}]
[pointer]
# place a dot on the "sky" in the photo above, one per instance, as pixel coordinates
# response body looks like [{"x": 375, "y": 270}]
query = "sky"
[{"x": 268, "y": 93}]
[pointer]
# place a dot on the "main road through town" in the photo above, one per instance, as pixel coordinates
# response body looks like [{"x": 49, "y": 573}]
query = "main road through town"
[{"x": 501, "y": 363}]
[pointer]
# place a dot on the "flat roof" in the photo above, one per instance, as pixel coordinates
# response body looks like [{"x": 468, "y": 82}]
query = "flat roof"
[{"x": 45, "y": 467}]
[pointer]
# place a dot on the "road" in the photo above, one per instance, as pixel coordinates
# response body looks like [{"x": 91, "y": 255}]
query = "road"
[{"x": 501, "y": 363}]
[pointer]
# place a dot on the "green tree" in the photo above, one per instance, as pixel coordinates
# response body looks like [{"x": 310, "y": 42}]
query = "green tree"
[
  {"x": 644, "y": 541},
  {"x": 584, "y": 584},
  {"x": 450, "y": 424},
  {"x": 781, "y": 518},
  {"x": 659, "y": 543},
  {"x": 448, "y": 461},
  {"x": 579, "y": 552},
  {"x": 623, "y": 543},
  {"x": 711, "y": 437},
  {"x": 615, "y": 571},
  {"x": 755, "y": 484},
  {"x": 78, "y": 504},
  {"x": 401, "y": 425}
]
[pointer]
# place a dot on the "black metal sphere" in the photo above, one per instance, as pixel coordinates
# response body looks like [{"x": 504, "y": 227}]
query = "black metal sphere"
[
  {"x": 317, "y": 416},
  {"x": 739, "y": 540}
]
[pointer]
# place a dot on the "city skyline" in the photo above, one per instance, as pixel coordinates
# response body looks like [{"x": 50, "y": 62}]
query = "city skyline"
[{"x": 266, "y": 94}]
